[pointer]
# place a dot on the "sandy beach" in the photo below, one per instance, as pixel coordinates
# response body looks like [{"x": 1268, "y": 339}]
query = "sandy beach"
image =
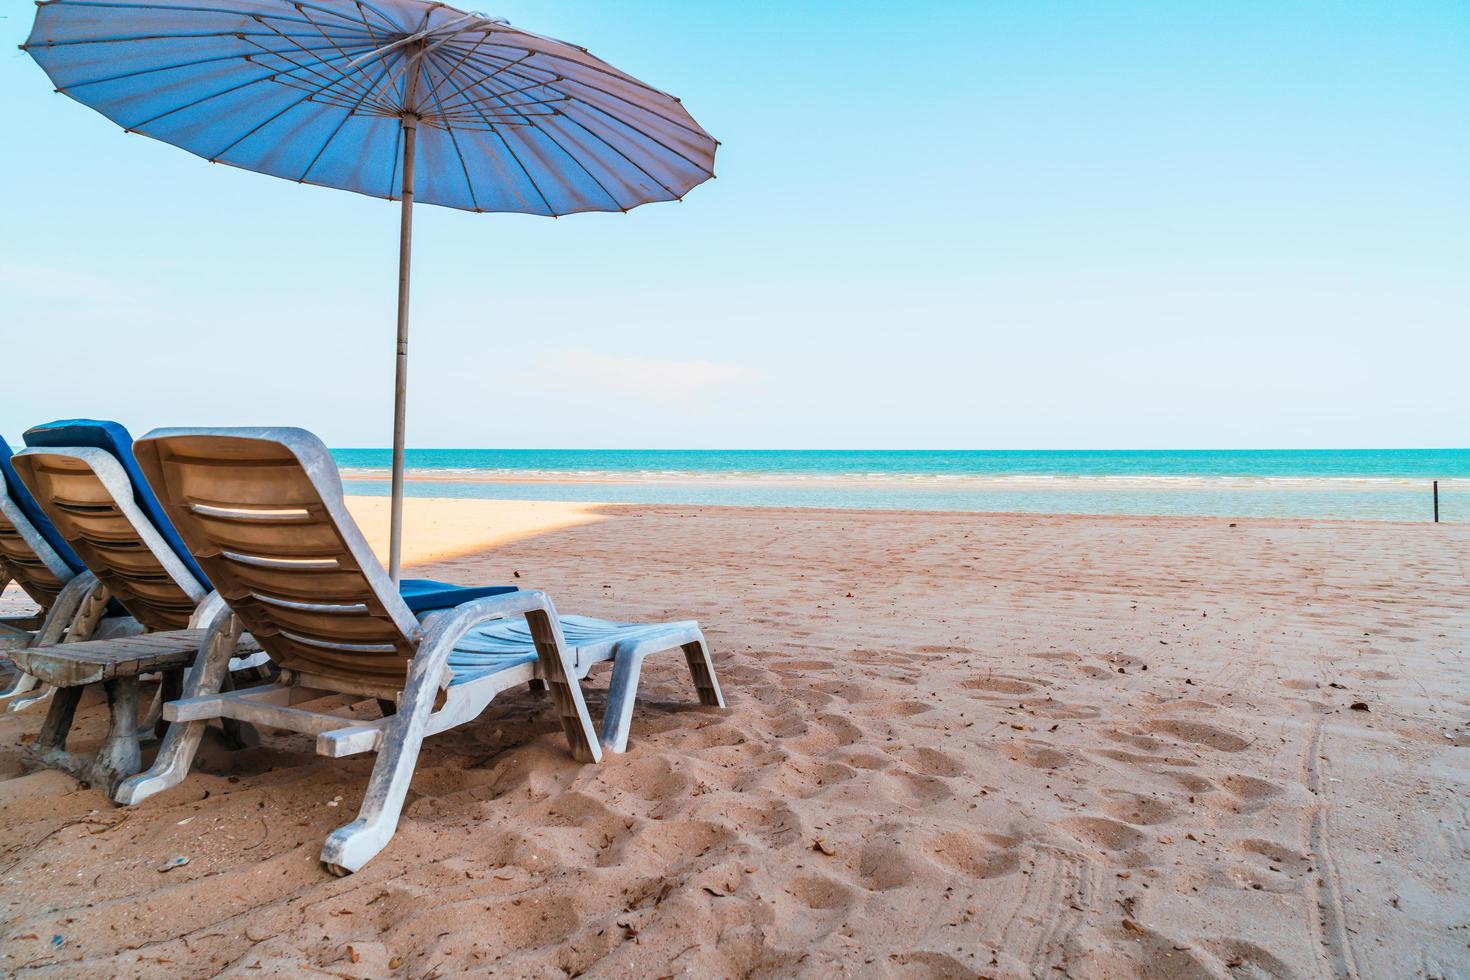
[{"x": 957, "y": 745}]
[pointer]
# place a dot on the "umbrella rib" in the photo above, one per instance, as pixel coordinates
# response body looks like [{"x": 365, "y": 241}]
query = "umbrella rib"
[
  {"x": 149, "y": 71},
  {"x": 333, "y": 41},
  {"x": 378, "y": 42},
  {"x": 555, "y": 142},
  {"x": 362, "y": 8},
  {"x": 286, "y": 77},
  {"x": 454, "y": 141},
  {"x": 514, "y": 91},
  {"x": 595, "y": 135},
  {"x": 268, "y": 121},
  {"x": 582, "y": 103},
  {"x": 328, "y": 142},
  {"x": 514, "y": 156},
  {"x": 189, "y": 105},
  {"x": 449, "y": 75},
  {"x": 636, "y": 129},
  {"x": 200, "y": 9},
  {"x": 154, "y": 37},
  {"x": 596, "y": 65},
  {"x": 604, "y": 141}
]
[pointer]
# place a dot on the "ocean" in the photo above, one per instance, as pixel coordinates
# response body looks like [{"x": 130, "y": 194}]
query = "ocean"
[{"x": 1389, "y": 484}]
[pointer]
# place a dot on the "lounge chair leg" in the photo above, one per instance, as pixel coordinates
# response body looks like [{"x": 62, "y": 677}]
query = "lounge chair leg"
[
  {"x": 78, "y": 608},
  {"x": 702, "y": 667},
  {"x": 622, "y": 692},
  {"x": 559, "y": 676},
  {"x": 351, "y": 846},
  {"x": 22, "y": 684},
  {"x": 120, "y": 755},
  {"x": 181, "y": 741}
]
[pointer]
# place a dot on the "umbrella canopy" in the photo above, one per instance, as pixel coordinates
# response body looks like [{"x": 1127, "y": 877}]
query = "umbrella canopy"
[{"x": 401, "y": 99}]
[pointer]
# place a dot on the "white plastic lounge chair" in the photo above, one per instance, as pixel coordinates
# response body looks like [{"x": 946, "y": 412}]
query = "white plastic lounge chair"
[
  {"x": 106, "y": 515},
  {"x": 262, "y": 511}
]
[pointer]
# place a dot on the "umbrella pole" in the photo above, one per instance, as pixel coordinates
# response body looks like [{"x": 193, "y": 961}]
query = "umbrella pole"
[{"x": 400, "y": 381}]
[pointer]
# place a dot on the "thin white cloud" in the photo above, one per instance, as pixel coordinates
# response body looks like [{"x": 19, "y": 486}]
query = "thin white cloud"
[{"x": 643, "y": 378}]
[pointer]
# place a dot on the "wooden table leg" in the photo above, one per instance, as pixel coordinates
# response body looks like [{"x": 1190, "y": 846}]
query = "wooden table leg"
[
  {"x": 120, "y": 755},
  {"x": 52, "y": 737}
]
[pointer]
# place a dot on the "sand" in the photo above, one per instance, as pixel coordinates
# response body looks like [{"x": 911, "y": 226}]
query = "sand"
[{"x": 957, "y": 745}]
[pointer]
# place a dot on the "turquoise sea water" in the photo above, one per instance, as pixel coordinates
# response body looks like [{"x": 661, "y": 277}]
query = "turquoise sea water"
[{"x": 1351, "y": 484}]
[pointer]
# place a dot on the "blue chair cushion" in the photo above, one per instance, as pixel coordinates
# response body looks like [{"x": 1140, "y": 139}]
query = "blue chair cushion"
[
  {"x": 21, "y": 494},
  {"x": 114, "y": 439},
  {"x": 425, "y": 595}
]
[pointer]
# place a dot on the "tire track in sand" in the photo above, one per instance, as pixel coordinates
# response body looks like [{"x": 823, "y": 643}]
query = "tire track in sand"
[{"x": 1335, "y": 952}]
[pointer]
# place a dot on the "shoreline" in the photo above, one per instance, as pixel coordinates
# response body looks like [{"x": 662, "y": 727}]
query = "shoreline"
[
  {"x": 945, "y": 481},
  {"x": 1346, "y": 500}
]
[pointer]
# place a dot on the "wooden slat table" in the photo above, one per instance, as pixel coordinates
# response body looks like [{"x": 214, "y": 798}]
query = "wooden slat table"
[{"x": 116, "y": 664}]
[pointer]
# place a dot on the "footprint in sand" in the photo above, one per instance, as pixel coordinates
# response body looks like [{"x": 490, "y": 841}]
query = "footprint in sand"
[
  {"x": 789, "y": 726},
  {"x": 999, "y": 684},
  {"x": 1057, "y": 655},
  {"x": 1144, "y": 743},
  {"x": 1137, "y": 809},
  {"x": 918, "y": 789},
  {"x": 1037, "y": 755},
  {"x": 899, "y": 709},
  {"x": 932, "y": 762},
  {"x": 1144, "y": 761},
  {"x": 1246, "y": 793},
  {"x": 1102, "y": 833},
  {"x": 821, "y": 893},
  {"x": 801, "y": 666},
  {"x": 1052, "y": 708},
  {"x": 1199, "y": 733},
  {"x": 775, "y": 823},
  {"x": 847, "y": 691},
  {"x": 830, "y": 733},
  {"x": 804, "y": 778},
  {"x": 1243, "y": 958},
  {"x": 976, "y": 855},
  {"x": 861, "y": 758},
  {"x": 528, "y": 925},
  {"x": 1274, "y": 853},
  {"x": 667, "y": 844},
  {"x": 887, "y": 864},
  {"x": 652, "y": 779},
  {"x": 1192, "y": 782}
]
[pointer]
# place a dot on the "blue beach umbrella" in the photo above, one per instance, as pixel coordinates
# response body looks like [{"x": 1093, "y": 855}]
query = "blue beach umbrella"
[{"x": 401, "y": 99}]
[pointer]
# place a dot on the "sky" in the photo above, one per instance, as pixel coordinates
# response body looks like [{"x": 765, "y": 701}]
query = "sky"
[{"x": 1018, "y": 224}]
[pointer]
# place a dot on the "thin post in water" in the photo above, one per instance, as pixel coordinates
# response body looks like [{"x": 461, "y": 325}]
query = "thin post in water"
[{"x": 1436, "y": 501}]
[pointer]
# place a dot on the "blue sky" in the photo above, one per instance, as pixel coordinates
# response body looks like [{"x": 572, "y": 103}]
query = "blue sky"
[{"x": 970, "y": 224}]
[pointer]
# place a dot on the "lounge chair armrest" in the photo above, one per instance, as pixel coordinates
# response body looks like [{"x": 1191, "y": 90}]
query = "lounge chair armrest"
[{"x": 442, "y": 631}]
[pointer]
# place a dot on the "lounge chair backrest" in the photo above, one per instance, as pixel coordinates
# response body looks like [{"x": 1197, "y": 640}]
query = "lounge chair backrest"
[
  {"x": 114, "y": 439},
  {"x": 262, "y": 511},
  {"x": 31, "y": 550},
  {"x": 88, "y": 496}
]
